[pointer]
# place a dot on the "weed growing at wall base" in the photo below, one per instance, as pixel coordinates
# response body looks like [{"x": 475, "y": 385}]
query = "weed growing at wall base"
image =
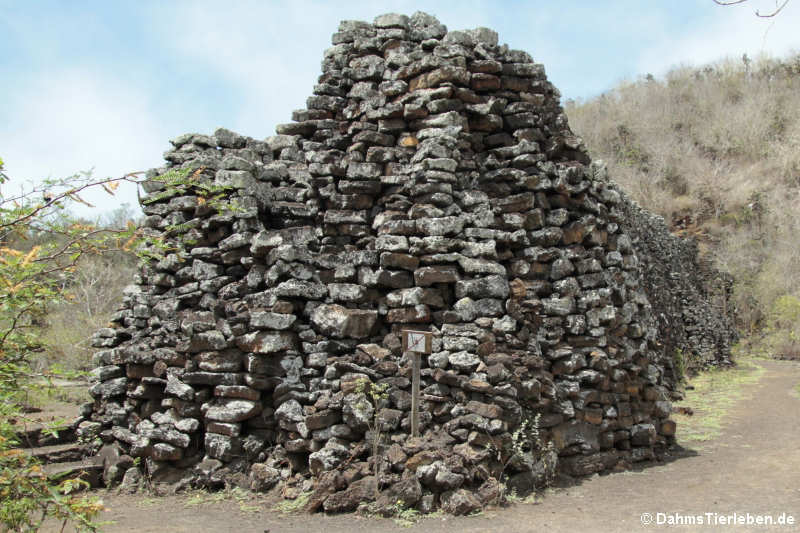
[{"x": 293, "y": 506}]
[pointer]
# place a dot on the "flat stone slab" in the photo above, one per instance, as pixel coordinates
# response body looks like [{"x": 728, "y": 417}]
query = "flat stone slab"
[{"x": 89, "y": 470}]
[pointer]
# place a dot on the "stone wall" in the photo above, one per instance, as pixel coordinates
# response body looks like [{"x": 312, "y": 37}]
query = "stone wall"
[
  {"x": 691, "y": 300},
  {"x": 432, "y": 183}
]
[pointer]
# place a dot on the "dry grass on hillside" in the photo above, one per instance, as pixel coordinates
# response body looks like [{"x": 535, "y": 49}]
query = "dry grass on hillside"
[
  {"x": 716, "y": 151},
  {"x": 95, "y": 293}
]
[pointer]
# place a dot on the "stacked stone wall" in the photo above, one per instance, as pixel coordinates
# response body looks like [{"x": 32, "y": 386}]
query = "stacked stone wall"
[
  {"x": 691, "y": 300},
  {"x": 432, "y": 183}
]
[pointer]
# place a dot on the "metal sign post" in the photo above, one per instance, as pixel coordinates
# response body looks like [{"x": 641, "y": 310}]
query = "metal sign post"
[{"x": 416, "y": 343}]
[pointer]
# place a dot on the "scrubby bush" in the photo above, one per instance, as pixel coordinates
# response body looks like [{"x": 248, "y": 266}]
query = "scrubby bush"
[
  {"x": 781, "y": 335},
  {"x": 42, "y": 250},
  {"x": 95, "y": 292}
]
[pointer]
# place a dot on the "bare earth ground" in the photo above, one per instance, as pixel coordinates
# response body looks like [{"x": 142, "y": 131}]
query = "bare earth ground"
[
  {"x": 59, "y": 400},
  {"x": 752, "y": 466}
]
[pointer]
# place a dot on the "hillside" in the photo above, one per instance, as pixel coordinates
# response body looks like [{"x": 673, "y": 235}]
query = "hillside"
[{"x": 716, "y": 151}]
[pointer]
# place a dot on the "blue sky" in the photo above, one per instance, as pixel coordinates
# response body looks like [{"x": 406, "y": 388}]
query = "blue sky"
[{"x": 106, "y": 84}]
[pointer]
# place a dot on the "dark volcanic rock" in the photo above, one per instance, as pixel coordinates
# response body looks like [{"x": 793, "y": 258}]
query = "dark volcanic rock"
[
  {"x": 341, "y": 322},
  {"x": 431, "y": 183}
]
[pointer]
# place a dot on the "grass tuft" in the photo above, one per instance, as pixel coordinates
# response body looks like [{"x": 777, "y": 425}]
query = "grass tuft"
[
  {"x": 714, "y": 393},
  {"x": 243, "y": 498},
  {"x": 293, "y": 506}
]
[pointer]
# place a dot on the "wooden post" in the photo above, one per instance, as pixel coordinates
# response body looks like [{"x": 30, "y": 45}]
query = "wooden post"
[
  {"x": 414, "y": 344},
  {"x": 415, "y": 394}
]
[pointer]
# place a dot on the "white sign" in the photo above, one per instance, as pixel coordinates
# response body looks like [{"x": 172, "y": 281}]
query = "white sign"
[{"x": 417, "y": 341}]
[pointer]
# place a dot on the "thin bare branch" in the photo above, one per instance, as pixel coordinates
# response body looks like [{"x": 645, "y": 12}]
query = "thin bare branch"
[
  {"x": 15, "y": 322},
  {"x": 64, "y": 267},
  {"x": 778, "y": 9},
  {"x": 67, "y": 247},
  {"x": 53, "y": 200}
]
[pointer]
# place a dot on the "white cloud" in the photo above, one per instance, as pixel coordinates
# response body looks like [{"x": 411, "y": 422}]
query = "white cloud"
[
  {"x": 270, "y": 53},
  {"x": 258, "y": 50},
  {"x": 63, "y": 122},
  {"x": 729, "y": 32}
]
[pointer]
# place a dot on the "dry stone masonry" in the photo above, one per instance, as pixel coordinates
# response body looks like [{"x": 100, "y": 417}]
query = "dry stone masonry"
[
  {"x": 691, "y": 301},
  {"x": 432, "y": 183}
]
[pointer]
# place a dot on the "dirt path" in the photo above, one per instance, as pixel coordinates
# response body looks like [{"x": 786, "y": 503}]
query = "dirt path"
[{"x": 752, "y": 467}]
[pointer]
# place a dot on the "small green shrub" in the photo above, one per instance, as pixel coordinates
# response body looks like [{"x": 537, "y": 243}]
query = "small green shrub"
[
  {"x": 404, "y": 516},
  {"x": 377, "y": 395},
  {"x": 42, "y": 251},
  {"x": 526, "y": 444},
  {"x": 782, "y": 335}
]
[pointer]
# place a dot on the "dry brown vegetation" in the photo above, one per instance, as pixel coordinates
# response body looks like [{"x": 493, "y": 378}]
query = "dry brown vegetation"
[
  {"x": 95, "y": 293},
  {"x": 716, "y": 151}
]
